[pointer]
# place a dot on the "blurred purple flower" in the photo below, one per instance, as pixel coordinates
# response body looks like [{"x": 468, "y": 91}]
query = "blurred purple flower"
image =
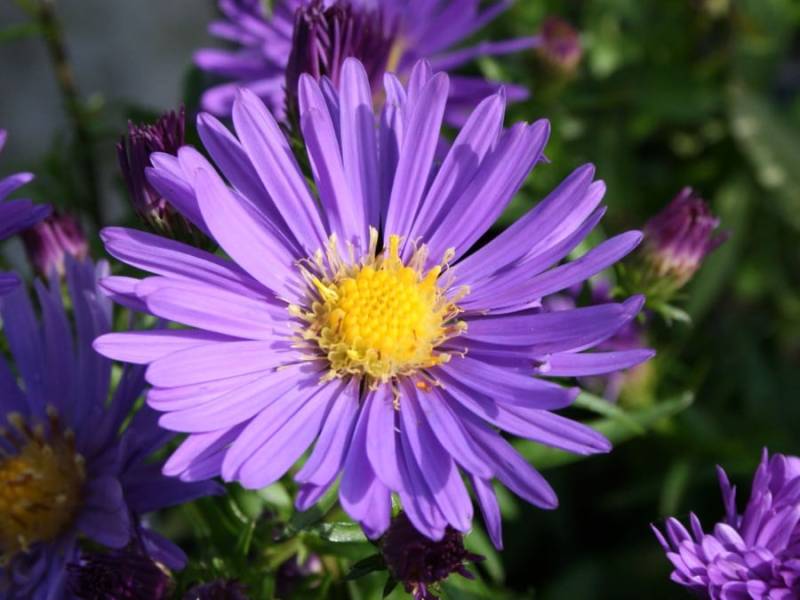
[
  {"x": 61, "y": 451},
  {"x": 15, "y": 215},
  {"x": 404, "y": 32},
  {"x": 119, "y": 575},
  {"x": 400, "y": 360},
  {"x": 48, "y": 243},
  {"x": 678, "y": 239},
  {"x": 560, "y": 45},
  {"x": 418, "y": 563},
  {"x": 752, "y": 555}
]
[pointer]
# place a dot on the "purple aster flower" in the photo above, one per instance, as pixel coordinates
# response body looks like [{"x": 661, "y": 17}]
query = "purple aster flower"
[
  {"x": 754, "y": 555},
  {"x": 679, "y": 238},
  {"x": 419, "y": 563},
  {"x": 167, "y": 134},
  {"x": 356, "y": 316},
  {"x": 48, "y": 242},
  {"x": 66, "y": 471},
  {"x": 120, "y": 575},
  {"x": 15, "y": 215},
  {"x": 385, "y": 35}
]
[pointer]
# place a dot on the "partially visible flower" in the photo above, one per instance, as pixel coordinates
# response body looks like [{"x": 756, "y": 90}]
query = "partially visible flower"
[
  {"x": 418, "y": 562},
  {"x": 69, "y": 466},
  {"x": 559, "y": 46},
  {"x": 752, "y": 555},
  {"x": 294, "y": 571},
  {"x": 224, "y": 589},
  {"x": 678, "y": 239},
  {"x": 15, "y": 215},
  {"x": 49, "y": 241},
  {"x": 166, "y": 135},
  {"x": 118, "y": 575},
  {"x": 351, "y": 315},
  {"x": 391, "y": 32}
]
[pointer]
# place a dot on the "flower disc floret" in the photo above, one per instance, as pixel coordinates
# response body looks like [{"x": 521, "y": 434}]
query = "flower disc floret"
[
  {"x": 381, "y": 318},
  {"x": 40, "y": 485}
]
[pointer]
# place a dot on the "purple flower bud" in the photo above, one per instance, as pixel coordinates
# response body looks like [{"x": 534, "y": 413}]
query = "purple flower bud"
[
  {"x": 560, "y": 46},
  {"x": 48, "y": 242},
  {"x": 133, "y": 153},
  {"x": 325, "y": 37},
  {"x": 679, "y": 238},
  {"x": 122, "y": 575},
  {"x": 217, "y": 590},
  {"x": 418, "y": 562}
]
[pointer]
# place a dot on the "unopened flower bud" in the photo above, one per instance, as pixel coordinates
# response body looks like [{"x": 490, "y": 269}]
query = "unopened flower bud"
[
  {"x": 418, "y": 562},
  {"x": 680, "y": 237},
  {"x": 133, "y": 152},
  {"x": 560, "y": 46},
  {"x": 48, "y": 242}
]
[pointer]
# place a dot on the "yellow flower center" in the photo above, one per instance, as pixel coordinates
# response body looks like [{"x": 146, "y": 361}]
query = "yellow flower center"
[
  {"x": 40, "y": 485},
  {"x": 380, "y": 318}
]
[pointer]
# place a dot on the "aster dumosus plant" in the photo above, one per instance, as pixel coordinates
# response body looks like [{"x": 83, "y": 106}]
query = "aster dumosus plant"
[
  {"x": 50, "y": 241},
  {"x": 754, "y": 554},
  {"x": 356, "y": 320}
]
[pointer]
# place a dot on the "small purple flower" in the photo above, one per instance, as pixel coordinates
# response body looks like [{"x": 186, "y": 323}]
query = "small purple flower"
[
  {"x": 15, "y": 215},
  {"x": 73, "y": 468},
  {"x": 355, "y": 317},
  {"x": 419, "y": 563},
  {"x": 166, "y": 135},
  {"x": 217, "y": 590},
  {"x": 752, "y": 555},
  {"x": 48, "y": 243},
  {"x": 119, "y": 575},
  {"x": 560, "y": 45},
  {"x": 678, "y": 239},
  {"x": 392, "y": 36}
]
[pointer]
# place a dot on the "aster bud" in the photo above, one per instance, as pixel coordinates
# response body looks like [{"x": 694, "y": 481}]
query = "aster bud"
[
  {"x": 122, "y": 575},
  {"x": 679, "y": 238},
  {"x": 418, "y": 562},
  {"x": 325, "y": 36},
  {"x": 560, "y": 46},
  {"x": 167, "y": 134},
  {"x": 223, "y": 589},
  {"x": 48, "y": 242}
]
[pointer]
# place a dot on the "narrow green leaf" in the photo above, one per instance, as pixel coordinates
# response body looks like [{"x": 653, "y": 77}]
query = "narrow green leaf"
[
  {"x": 391, "y": 583},
  {"x": 366, "y": 566},
  {"x": 304, "y": 520},
  {"x": 607, "y": 409},
  {"x": 340, "y": 532}
]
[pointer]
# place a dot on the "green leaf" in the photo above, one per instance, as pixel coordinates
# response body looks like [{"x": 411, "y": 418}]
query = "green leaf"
[
  {"x": 391, "y": 583},
  {"x": 315, "y": 514},
  {"x": 478, "y": 542},
  {"x": 366, "y": 566},
  {"x": 339, "y": 532},
  {"x": 245, "y": 540},
  {"x": 607, "y": 409},
  {"x": 543, "y": 457}
]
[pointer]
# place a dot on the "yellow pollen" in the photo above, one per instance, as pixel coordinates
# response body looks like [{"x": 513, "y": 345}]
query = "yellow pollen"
[
  {"x": 381, "y": 318},
  {"x": 40, "y": 485}
]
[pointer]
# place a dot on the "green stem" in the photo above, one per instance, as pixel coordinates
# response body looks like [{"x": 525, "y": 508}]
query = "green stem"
[{"x": 53, "y": 33}]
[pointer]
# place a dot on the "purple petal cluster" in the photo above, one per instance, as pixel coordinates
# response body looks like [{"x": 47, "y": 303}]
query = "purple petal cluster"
[
  {"x": 120, "y": 575},
  {"x": 66, "y": 469},
  {"x": 15, "y": 215},
  {"x": 264, "y": 371},
  {"x": 404, "y": 32},
  {"x": 752, "y": 555}
]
